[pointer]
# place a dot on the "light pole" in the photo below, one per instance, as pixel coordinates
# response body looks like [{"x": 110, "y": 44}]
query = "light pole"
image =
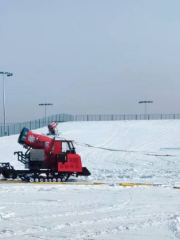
[
  {"x": 8, "y": 74},
  {"x": 146, "y": 105},
  {"x": 45, "y": 104}
]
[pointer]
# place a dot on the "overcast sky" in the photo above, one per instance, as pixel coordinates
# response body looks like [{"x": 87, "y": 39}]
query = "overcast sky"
[{"x": 89, "y": 56}]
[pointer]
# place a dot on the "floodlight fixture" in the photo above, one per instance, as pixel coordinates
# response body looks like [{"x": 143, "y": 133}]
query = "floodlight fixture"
[{"x": 145, "y": 102}]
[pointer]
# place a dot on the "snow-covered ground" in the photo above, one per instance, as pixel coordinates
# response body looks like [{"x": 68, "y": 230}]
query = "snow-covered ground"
[{"x": 29, "y": 211}]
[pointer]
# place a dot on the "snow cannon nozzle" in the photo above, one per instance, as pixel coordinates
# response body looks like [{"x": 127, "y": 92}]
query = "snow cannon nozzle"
[
  {"x": 23, "y": 135},
  {"x": 53, "y": 128},
  {"x": 35, "y": 140}
]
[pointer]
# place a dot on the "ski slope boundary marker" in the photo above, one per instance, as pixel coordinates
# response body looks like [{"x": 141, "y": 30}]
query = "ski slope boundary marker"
[
  {"x": 82, "y": 183},
  {"x": 87, "y": 183}
]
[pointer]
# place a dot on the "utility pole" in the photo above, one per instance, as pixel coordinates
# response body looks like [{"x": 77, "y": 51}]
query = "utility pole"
[
  {"x": 8, "y": 74},
  {"x": 145, "y": 102},
  {"x": 45, "y": 104}
]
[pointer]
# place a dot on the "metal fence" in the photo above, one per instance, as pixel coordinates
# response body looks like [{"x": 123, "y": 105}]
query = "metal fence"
[
  {"x": 17, "y": 127},
  {"x": 112, "y": 117}
]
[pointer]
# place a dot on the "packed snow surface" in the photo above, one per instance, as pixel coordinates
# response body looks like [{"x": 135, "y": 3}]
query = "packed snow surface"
[{"x": 114, "y": 152}]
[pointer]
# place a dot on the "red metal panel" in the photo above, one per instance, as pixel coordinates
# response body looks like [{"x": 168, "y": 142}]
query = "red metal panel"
[
  {"x": 73, "y": 164},
  {"x": 57, "y": 147},
  {"x": 38, "y": 141}
]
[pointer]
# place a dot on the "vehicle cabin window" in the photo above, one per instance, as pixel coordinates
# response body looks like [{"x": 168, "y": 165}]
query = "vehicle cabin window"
[
  {"x": 65, "y": 147},
  {"x": 71, "y": 146}
]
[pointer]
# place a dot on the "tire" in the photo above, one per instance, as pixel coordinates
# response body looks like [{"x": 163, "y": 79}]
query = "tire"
[
  {"x": 31, "y": 179},
  {"x": 13, "y": 175}
]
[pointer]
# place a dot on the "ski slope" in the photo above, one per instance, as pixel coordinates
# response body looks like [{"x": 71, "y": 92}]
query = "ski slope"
[{"x": 106, "y": 211}]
